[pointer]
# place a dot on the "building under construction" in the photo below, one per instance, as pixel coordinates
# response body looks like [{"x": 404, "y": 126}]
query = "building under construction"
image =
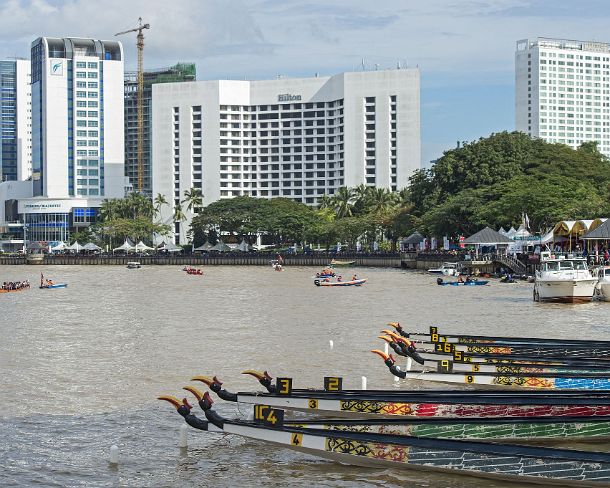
[{"x": 176, "y": 73}]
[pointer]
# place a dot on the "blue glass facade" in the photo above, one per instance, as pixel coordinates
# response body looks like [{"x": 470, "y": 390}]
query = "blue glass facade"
[{"x": 8, "y": 120}]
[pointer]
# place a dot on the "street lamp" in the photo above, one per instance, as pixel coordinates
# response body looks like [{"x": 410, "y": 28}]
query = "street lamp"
[{"x": 25, "y": 228}]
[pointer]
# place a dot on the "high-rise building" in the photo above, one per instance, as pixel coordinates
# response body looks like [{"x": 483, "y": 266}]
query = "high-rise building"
[
  {"x": 173, "y": 74},
  {"x": 15, "y": 120},
  {"x": 294, "y": 138},
  {"x": 77, "y": 134},
  {"x": 562, "y": 91}
]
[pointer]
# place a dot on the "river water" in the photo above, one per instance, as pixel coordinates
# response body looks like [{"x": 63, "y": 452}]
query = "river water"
[{"x": 81, "y": 367}]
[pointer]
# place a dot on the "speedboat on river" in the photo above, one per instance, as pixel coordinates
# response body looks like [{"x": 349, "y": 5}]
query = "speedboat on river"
[
  {"x": 447, "y": 269},
  {"x": 563, "y": 279},
  {"x": 602, "y": 274}
]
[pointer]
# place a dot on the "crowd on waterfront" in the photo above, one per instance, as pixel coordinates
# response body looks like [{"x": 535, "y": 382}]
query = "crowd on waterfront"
[{"x": 15, "y": 285}]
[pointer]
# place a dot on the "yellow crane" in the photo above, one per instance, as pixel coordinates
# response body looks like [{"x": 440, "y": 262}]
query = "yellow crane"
[{"x": 140, "y": 97}]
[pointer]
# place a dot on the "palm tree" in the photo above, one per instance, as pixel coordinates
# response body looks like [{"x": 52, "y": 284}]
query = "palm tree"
[
  {"x": 179, "y": 214},
  {"x": 362, "y": 196},
  {"x": 343, "y": 202},
  {"x": 194, "y": 199},
  {"x": 325, "y": 201},
  {"x": 382, "y": 199},
  {"x": 159, "y": 202}
]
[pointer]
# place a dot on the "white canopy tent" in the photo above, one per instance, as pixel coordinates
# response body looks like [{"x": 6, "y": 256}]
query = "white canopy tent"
[
  {"x": 127, "y": 247},
  {"x": 206, "y": 246},
  {"x": 75, "y": 247},
  {"x": 169, "y": 247},
  {"x": 90, "y": 246},
  {"x": 141, "y": 247},
  {"x": 59, "y": 247},
  {"x": 221, "y": 247},
  {"x": 243, "y": 246}
]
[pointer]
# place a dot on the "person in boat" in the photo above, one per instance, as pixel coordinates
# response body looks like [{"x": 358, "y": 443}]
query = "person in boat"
[
  {"x": 468, "y": 279},
  {"x": 354, "y": 278},
  {"x": 460, "y": 279},
  {"x": 339, "y": 278}
]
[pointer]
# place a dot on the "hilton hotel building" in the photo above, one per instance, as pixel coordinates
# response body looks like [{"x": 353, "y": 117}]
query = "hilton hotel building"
[
  {"x": 295, "y": 138},
  {"x": 562, "y": 91}
]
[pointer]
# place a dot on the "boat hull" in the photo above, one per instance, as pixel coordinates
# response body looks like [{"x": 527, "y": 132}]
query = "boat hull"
[
  {"x": 340, "y": 283},
  {"x": 604, "y": 289},
  {"x": 566, "y": 291},
  {"x": 58, "y": 285}
]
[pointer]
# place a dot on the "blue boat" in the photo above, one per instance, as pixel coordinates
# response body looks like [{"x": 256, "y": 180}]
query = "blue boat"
[
  {"x": 439, "y": 281},
  {"x": 55, "y": 285}
]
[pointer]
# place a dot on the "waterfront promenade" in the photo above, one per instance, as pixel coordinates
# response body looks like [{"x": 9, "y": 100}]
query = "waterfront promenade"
[{"x": 386, "y": 260}]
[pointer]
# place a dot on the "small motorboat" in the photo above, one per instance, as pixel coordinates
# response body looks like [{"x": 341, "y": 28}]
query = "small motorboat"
[
  {"x": 439, "y": 281},
  {"x": 133, "y": 265},
  {"x": 447, "y": 269},
  {"x": 324, "y": 282},
  {"x": 54, "y": 285}
]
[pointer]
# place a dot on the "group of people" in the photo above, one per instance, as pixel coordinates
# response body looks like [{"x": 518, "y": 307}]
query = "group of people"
[
  {"x": 15, "y": 285},
  {"x": 326, "y": 272}
]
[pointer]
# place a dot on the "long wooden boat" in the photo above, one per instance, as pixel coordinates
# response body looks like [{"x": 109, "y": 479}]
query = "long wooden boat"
[
  {"x": 359, "y": 282},
  {"x": 425, "y": 403},
  {"x": 489, "y": 460},
  {"x": 458, "y": 362},
  {"x": 336, "y": 262},
  {"x": 2, "y": 290},
  {"x": 434, "y": 335},
  {"x": 583, "y": 381}
]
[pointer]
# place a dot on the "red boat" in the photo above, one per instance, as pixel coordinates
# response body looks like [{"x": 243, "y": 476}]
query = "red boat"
[{"x": 193, "y": 271}]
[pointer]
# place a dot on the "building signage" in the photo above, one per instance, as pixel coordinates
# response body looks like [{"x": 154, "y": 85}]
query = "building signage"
[
  {"x": 57, "y": 68},
  {"x": 287, "y": 97},
  {"x": 60, "y": 206}
]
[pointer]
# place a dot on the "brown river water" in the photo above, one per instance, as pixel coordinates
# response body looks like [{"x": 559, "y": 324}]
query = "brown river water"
[{"x": 81, "y": 367}]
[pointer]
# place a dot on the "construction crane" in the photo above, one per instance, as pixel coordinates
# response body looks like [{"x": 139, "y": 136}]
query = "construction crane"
[{"x": 140, "y": 97}]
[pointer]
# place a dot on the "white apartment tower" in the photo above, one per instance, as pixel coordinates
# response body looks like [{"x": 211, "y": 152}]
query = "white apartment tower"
[
  {"x": 293, "y": 138},
  {"x": 562, "y": 91},
  {"x": 77, "y": 133}
]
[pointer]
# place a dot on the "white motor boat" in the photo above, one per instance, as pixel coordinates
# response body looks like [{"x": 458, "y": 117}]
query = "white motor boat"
[
  {"x": 563, "y": 279},
  {"x": 133, "y": 265},
  {"x": 602, "y": 288},
  {"x": 447, "y": 269}
]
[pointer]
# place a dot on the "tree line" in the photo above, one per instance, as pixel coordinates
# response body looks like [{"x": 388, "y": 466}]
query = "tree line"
[{"x": 489, "y": 182}]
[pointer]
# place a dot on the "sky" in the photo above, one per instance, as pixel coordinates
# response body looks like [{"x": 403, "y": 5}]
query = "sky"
[{"x": 463, "y": 48}]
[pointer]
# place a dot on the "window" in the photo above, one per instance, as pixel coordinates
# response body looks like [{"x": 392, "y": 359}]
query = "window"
[
  {"x": 92, "y": 94},
  {"x": 93, "y": 143},
  {"x": 92, "y": 74},
  {"x": 93, "y": 182},
  {"x": 81, "y": 143},
  {"x": 81, "y": 84},
  {"x": 81, "y": 123},
  {"x": 81, "y": 64},
  {"x": 80, "y": 152},
  {"x": 81, "y": 133},
  {"x": 91, "y": 84},
  {"x": 93, "y": 172},
  {"x": 81, "y": 181},
  {"x": 92, "y": 133},
  {"x": 92, "y": 65},
  {"x": 92, "y": 123},
  {"x": 81, "y": 74},
  {"x": 81, "y": 94},
  {"x": 81, "y": 103},
  {"x": 81, "y": 113},
  {"x": 92, "y": 104},
  {"x": 92, "y": 153},
  {"x": 92, "y": 113}
]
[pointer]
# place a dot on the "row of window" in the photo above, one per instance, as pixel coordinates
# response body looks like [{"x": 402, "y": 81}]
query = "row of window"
[
  {"x": 89, "y": 74},
  {"x": 86, "y": 64},
  {"x": 288, "y": 106}
]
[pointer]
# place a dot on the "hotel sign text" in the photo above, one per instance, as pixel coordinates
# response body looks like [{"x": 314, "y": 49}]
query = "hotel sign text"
[{"x": 287, "y": 97}]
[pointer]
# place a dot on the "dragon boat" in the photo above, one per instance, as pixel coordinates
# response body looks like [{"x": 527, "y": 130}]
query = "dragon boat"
[
  {"x": 451, "y": 404},
  {"x": 569, "y": 380},
  {"x": 435, "y": 336},
  {"x": 360, "y": 282},
  {"x": 458, "y": 362},
  {"x": 474, "y": 458}
]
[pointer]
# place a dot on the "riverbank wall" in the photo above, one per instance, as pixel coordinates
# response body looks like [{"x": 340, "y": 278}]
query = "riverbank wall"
[{"x": 385, "y": 260}]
